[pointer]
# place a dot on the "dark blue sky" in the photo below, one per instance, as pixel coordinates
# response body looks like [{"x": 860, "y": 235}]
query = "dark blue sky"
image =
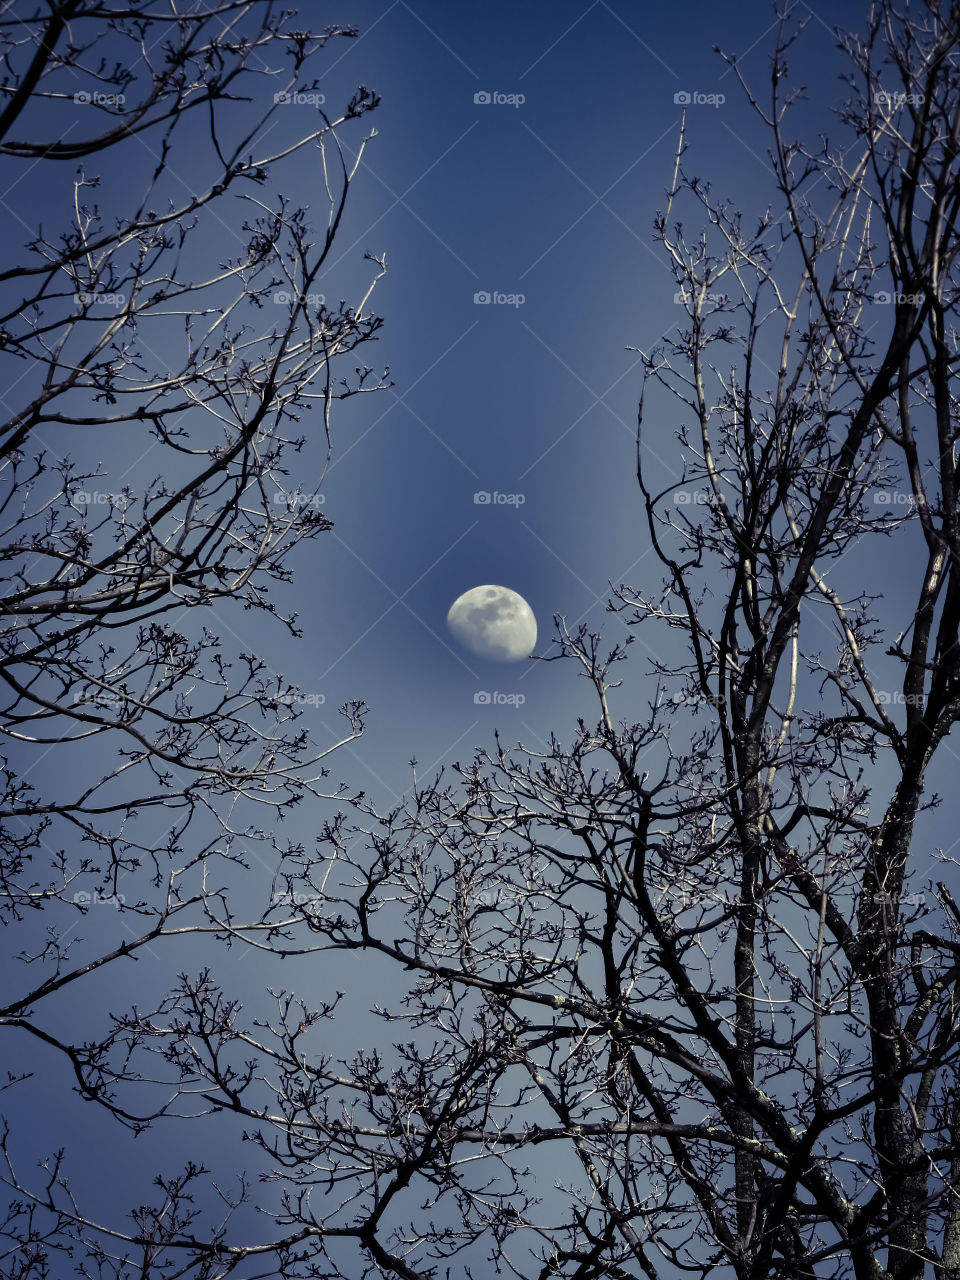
[
  {"x": 545, "y": 196},
  {"x": 552, "y": 198}
]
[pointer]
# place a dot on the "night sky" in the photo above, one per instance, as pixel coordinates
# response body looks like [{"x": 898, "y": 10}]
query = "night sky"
[
  {"x": 523, "y": 153},
  {"x": 521, "y": 157}
]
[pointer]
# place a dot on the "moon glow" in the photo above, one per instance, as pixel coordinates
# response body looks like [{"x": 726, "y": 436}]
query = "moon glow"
[{"x": 493, "y": 622}]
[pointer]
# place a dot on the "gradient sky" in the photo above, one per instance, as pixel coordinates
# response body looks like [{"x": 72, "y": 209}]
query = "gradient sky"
[{"x": 550, "y": 199}]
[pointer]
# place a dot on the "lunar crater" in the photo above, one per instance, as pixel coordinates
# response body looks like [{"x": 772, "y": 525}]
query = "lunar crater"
[{"x": 493, "y": 622}]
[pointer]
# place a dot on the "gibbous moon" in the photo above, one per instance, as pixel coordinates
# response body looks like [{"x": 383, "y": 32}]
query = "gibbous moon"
[{"x": 494, "y": 622}]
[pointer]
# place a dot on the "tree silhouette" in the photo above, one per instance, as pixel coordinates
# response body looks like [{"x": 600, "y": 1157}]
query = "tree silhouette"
[
  {"x": 179, "y": 332},
  {"x": 681, "y": 996}
]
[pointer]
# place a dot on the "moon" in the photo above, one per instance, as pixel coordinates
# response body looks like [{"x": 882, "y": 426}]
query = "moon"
[{"x": 494, "y": 622}]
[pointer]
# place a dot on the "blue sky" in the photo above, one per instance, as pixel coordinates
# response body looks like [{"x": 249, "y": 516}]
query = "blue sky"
[
  {"x": 542, "y": 192},
  {"x": 550, "y": 199}
]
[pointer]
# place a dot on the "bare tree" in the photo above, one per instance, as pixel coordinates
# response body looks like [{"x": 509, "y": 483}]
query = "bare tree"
[
  {"x": 679, "y": 996},
  {"x": 180, "y": 332}
]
